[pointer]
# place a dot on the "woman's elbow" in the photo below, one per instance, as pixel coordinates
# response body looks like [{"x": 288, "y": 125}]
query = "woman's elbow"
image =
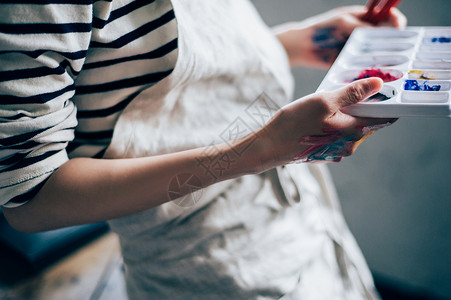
[{"x": 22, "y": 221}]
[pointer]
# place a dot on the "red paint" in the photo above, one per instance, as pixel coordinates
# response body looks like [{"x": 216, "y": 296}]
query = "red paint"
[{"x": 385, "y": 76}]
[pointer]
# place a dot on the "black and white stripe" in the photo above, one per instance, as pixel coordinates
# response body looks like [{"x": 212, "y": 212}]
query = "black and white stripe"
[{"x": 67, "y": 70}]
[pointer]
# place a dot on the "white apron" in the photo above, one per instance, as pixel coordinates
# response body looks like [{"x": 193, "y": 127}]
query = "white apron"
[{"x": 239, "y": 239}]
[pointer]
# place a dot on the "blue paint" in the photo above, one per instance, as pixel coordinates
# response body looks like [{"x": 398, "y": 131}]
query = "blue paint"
[
  {"x": 414, "y": 85},
  {"x": 328, "y": 42},
  {"x": 442, "y": 39},
  {"x": 322, "y": 34},
  {"x": 333, "y": 151}
]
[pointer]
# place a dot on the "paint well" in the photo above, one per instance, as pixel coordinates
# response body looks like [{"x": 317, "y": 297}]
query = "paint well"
[
  {"x": 387, "y": 75},
  {"x": 376, "y": 61},
  {"x": 429, "y": 74},
  {"x": 426, "y": 85},
  {"x": 424, "y": 97}
]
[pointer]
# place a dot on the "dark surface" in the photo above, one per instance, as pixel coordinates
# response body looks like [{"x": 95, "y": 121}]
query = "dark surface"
[
  {"x": 390, "y": 289},
  {"x": 23, "y": 255}
]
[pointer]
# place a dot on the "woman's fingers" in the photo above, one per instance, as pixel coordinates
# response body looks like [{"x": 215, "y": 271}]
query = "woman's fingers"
[{"x": 396, "y": 18}]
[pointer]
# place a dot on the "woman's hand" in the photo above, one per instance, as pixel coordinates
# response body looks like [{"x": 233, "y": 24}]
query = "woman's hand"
[
  {"x": 317, "y": 41},
  {"x": 314, "y": 129}
]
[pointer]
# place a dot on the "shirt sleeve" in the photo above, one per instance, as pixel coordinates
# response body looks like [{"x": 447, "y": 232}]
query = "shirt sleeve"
[{"x": 42, "y": 50}]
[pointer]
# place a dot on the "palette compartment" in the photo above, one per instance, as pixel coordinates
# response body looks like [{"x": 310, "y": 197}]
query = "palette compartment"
[
  {"x": 426, "y": 85},
  {"x": 435, "y": 47},
  {"x": 431, "y": 64},
  {"x": 348, "y": 76},
  {"x": 442, "y": 55},
  {"x": 368, "y": 61},
  {"x": 375, "y": 47},
  {"x": 385, "y": 94},
  {"x": 415, "y": 64},
  {"x": 429, "y": 74},
  {"x": 384, "y": 33},
  {"x": 424, "y": 97}
]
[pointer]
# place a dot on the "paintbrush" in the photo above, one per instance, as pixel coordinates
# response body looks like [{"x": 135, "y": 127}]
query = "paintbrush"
[
  {"x": 370, "y": 9},
  {"x": 378, "y": 10}
]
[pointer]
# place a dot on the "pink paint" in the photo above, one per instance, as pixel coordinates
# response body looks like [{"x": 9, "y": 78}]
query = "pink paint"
[
  {"x": 374, "y": 72},
  {"x": 320, "y": 139}
]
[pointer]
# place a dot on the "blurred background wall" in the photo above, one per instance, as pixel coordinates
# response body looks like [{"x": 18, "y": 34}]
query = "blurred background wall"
[{"x": 396, "y": 189}]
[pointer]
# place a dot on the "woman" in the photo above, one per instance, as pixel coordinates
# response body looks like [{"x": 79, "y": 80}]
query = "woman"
[{"x": 186, "y": 101}]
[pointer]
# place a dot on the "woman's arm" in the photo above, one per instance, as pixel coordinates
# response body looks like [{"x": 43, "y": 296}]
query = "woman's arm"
[
  {"x": 86, "y": 190},
  {"x": 317, "y": 41}
]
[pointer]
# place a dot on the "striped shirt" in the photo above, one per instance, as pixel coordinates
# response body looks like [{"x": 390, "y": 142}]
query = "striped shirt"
[{"x": 67, "y": 70}]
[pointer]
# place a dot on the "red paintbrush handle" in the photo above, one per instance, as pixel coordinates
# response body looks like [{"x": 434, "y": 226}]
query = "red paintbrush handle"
[
  {"x": 385, "y": 10},
  {"x": 370, "y": 10}
]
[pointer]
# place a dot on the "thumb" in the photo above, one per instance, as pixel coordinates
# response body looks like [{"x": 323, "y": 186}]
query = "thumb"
[{"x": 358, "y": 91}]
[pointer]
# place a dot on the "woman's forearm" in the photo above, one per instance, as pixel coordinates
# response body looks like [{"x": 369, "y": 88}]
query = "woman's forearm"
[{"x": 86, "y": 190}]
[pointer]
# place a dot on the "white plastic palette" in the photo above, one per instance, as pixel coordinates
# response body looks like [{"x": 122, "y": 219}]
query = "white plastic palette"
[{"x": 417, "y": 58}]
